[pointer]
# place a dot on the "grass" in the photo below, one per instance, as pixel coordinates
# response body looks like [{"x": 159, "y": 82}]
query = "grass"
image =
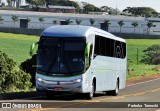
[
  {"x": 17, "y": 47},
  {"x": 141, "y": 69}
]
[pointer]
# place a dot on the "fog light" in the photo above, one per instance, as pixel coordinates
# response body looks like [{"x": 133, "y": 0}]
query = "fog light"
[{"x": 77, "y": 88}]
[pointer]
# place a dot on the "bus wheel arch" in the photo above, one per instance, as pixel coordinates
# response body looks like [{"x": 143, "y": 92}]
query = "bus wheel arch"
[
  {"x": 90, "y": 95},
  {"x": 94, "y": 81},
  {"x": 115, "y": 93},
  {"x": 116, "y": 90}
]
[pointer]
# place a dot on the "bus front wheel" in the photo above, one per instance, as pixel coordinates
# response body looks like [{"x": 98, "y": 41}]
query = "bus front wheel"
[{"x": 89, "y": 95}]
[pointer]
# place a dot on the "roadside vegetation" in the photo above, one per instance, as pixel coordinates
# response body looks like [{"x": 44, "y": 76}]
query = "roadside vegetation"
[
  {"x": 136, "y": 52},
  {"x": 16, "y": 46},
  {"x": 10, "y": 78}
]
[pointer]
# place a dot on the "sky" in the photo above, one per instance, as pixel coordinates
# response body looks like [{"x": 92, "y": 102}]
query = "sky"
[{"x": 122, "y": 4}]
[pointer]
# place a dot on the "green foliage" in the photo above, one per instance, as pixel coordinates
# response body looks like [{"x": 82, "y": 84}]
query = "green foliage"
[
  {"x": 16, "y": 46},
  {"x": 36, "y": 2},
  {"x": 9, "y": 2},
  {"x": 1, "y": 19},
  {"x": 14, "y": 18},
  {"x": 109, "y": 10},
  {"x": 78, "y": 21},
  {"x": 55, "y": 22},
  {"x": 28, "y": 20},
  {"x": 41, "y": 19},
  {"x": 152, "y": 54},
  {"x": 107, "y": 23},
  {"x": 120, "y": 23},
  {"x": 134, "y": 24},
  {"x": 10, "y": 79},
  {"x": 68, "y": 21},
  {"x": 90, "y": 8},
  {"x": 92, "y": 21},
  {"x": 141, "y": 11},
  {"x": 149, "y": 25},
  {"x": 29, "y": 66}
]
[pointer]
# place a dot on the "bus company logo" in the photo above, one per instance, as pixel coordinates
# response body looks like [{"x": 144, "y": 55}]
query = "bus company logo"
[
  {"x": 58, "y": 83},
  {"x": 6, "y": 105}
]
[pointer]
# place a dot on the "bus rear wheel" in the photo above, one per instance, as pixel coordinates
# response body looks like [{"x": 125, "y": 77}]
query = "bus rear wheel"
[
  {"x": 114, "y": 92},
  {"x": 89, "y": 95}
]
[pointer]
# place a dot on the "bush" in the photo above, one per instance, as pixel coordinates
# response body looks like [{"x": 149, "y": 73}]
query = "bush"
[
  {"x": 152, "y": 55},
  {"x": 29, "y": 66},
  {"x": 11, "y": 79},
  {"x": 156, "y": 60}
]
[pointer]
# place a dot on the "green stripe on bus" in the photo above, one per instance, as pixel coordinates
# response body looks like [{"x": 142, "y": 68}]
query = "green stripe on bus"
[{"x": 101, "y": 70}]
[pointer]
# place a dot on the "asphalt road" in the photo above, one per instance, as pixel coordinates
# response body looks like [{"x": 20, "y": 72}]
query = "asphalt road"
[{"x": 137, "y": 94}]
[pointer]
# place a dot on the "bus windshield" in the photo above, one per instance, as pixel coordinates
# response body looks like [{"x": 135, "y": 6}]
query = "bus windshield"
[{"x": 61, "y": 56}]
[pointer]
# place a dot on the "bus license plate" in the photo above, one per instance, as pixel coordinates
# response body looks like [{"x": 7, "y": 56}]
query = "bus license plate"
[{"x": 58, "y": 88}]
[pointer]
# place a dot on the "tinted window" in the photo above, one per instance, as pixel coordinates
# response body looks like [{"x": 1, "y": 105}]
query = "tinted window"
[{"x": 109, "y": 47}]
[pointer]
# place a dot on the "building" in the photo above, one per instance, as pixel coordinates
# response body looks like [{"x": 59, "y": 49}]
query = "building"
[
  {"x": 57, "y": 9},
  {"x": 60, "y": 18}
]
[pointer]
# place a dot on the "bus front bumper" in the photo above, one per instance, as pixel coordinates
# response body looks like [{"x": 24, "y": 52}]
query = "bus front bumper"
[{"x": 74, "y": 86}]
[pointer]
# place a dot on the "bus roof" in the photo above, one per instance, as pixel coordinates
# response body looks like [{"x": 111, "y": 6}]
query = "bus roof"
[{"x": 76, "y": 31}]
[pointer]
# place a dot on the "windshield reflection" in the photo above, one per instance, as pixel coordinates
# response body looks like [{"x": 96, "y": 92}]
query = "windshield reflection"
[{"x": 61, "y": 55}]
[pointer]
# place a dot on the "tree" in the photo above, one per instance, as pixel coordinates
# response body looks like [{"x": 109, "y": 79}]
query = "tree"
[
  {"x": 92, "y": 21},
  {"x": 41, "y": 19},
  {"x": 107, "y": 23},
  {"x": 110, "y": 10},
  {"x": 90, "y": 8},
  {"x": 141, "y": 11},
  {"x": 74, "y": 4},
  {"x": 14, "y": 18},
  {"x": 152, "y": 55},
  {"x": 1, "y": 19},
  {"x": 11, "y": 79},
  {"x": 120, "y": 23},
  {"x": 78, "y": 21},
  {"x": 52, "y": 2},
  {"x": 68, "y": 21},
  {"x": 9, "y": 2},
  {"x": 55, "y": 22},
  {"x": 134, "y": 24},
  {"x": 29, "y": 66},
  {"x": 28, "y": 20},
  {"x": 149, "y": 25},
  {"x": 36, "y": 2}
]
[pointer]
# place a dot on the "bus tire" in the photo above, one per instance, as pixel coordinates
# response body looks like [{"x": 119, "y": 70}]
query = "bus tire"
[
  {"x": 114, "y": 92},
  {"x": 89, "y": 95}
]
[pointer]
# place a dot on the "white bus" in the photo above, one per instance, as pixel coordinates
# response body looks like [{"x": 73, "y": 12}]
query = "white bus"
[{"x": 80, "y": 59}]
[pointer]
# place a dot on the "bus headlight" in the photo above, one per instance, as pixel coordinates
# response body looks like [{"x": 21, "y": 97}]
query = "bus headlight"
[
  {"x": 39, "y": 79},
  {"x": 77, "y": 80}
]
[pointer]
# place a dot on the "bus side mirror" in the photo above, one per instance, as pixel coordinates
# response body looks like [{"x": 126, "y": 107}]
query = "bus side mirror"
[
  {"x": 87, "y": 54},
  {"x": 87, "y": 50},
  {"x": 32, "y": 48}
]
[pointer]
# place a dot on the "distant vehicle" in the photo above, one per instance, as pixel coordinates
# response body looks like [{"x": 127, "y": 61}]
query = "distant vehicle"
[{"x": 80, "y": 59}]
